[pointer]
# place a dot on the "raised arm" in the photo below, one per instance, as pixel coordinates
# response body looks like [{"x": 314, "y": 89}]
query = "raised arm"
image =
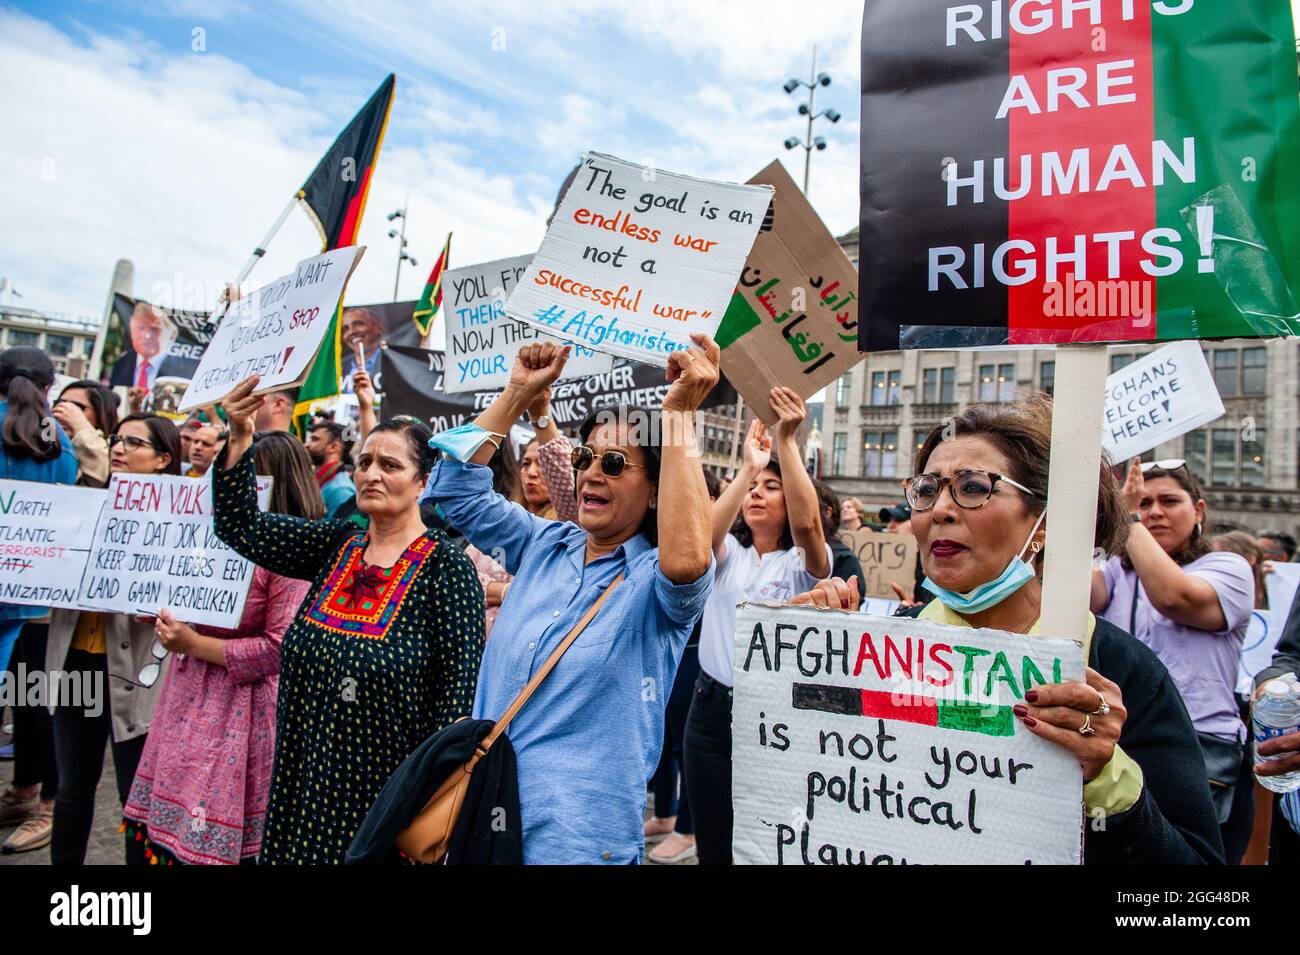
[
  {"x": 365, "y": 392},
  {"x": 536, "y": 367},
  {"x": 801, "y": 505},
  {"x": 755, "y": 455},
  {"x": 685, "y": 527}
]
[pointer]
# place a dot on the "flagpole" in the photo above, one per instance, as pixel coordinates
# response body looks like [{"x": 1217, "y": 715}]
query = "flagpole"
[{"x": 261, "y": 248}]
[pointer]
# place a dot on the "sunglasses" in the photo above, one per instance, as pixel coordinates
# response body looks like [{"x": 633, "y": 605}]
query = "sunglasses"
[
  {"x": 150, "y": 672},
  {"x": 969, "y": 488},
  {"x": 131, "y": 441},
  {"x": 612, "y": 463},
  {"x": 1170, "y": 464}
]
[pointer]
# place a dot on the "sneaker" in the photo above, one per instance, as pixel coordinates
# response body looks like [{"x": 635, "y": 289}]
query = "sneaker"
[
  {"x": 676, "y": 848},
  {"x": 15, "y": 809},
  {"x": 34, "y": 833}
]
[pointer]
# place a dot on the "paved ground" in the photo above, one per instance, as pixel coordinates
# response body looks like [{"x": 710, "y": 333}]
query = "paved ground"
[{"x": 105, "y": 840}]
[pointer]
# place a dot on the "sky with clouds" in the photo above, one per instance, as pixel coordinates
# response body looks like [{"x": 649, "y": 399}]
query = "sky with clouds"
[{"x": 172, "y": 132}]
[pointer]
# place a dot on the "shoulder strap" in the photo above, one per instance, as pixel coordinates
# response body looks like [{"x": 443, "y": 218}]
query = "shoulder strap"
[{"x": 546, "y": 668}]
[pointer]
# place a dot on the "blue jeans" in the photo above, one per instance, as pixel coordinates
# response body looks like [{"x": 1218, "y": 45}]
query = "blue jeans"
[
  {"x": 672, "y": 772},
  {"x": 9, "y": 630}
]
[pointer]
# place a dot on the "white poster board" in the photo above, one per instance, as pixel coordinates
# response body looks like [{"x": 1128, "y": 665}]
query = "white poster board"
[
  {"x": 274, "y": 332},
  {"x": 637, "y": 259},
  {"x": 155, "y": 546},
  {"x": 45, "y": 536},
  {"x": 859, "y": 739},
  {"x": 1157, "y": 398},
  {"x": 482, "y": 341},
  {"x": 1262, "y": 634},
  {"x": 1281, "y": 585}
]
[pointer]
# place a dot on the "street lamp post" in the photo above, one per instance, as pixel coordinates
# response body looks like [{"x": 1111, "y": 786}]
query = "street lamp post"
[
  {"x": 402, "y": 254},
  {"x": 810, "y": 142}
]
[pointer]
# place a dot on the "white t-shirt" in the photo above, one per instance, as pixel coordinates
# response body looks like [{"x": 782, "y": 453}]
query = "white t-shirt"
[{"x": 743, "y": 575}]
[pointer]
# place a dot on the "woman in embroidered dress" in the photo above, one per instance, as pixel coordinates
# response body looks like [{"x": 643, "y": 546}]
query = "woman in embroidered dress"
[
  {"x": 384, "y": 650},
  {"x": 200, "y": 790}
]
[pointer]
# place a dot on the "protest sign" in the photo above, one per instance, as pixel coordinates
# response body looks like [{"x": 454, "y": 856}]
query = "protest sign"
[
  {"x": 1156, "y": 398},
  {"x": 793, "y": 319},
  {"x": 172, "y": 339},
  {"x": 45, "y": 537},
  {"x": 637, "y": 259},
  {"x": 412, "y": 382},
  {"x": 482, "y": 341},
  {"x": 1281, "y": 584},
  {"x": 886, "y": 559},
  {"x": 1257, "y": 648},
  {"x": 155, "y": 546},
  {"x": 1052, "y": 172},
  {"x": 274, "y": 332},
  {"x": 872, "y": 740}
]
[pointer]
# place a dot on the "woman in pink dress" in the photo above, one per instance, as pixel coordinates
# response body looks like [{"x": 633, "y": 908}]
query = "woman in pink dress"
[{"x": 200, "y": 792}]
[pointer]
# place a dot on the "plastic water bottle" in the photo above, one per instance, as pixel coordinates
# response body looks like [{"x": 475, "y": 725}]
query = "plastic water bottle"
[{"x": 1277, "y": 713}]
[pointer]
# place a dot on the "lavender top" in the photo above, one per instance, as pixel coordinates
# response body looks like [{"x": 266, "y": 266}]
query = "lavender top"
[{"x": 1203, "y": 663}]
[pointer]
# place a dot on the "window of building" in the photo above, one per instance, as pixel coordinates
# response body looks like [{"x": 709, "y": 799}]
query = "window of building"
[
  {"x": 16, "y": 338},
  {"x": 1254, "y": 371},
  {"x": 880, "y": 453},
  {"x": 842, "y": 388},
  {"x": 877, "y": 389},
  {"x": 1252, "y": 459},
  {"x": 1006, "y": 382},
  {"x": 1225, "y": 372},
  {"x": 930, "y": 386},
  {"x": 1223, "y": 457},
  {"x": 947, "y": 385},
  {"x": 87, "y": 347},
  {"x": 894, "y": 388},
  {"x": 1194, "y": 453},
  {"x": 839, "y": 452},
  {"x": 1047, "y": 377},
  {"x": 1120, "y": 361},
  {"x": 58, "y": 346},
  {"x": 988, "y": 387}
]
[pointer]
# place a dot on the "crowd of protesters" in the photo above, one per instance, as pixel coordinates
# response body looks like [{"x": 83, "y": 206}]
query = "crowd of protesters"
[{"x": 405, "y": 580}]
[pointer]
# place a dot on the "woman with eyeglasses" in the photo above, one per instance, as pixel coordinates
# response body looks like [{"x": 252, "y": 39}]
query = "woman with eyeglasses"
[
  {"x": 382, "y": 652},
  {"x": 978, "y": 506},
  {"x": 769, "y": 544},
  {"x": 589, "y": 738},
  {"x": 201, "y": 789},
  {"x": 119, "y": 657},
  {"x": 1191, "y": 605},
  {"x": 29, "y": 451}
]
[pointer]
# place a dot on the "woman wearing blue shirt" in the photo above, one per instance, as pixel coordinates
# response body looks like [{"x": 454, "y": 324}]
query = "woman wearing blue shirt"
[
  {"x": 33, "y": 448},
  {"x": 589, "y": 738}
]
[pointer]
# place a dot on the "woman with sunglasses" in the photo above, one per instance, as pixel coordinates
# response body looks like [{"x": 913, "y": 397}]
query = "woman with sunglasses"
[
  {"x": 382, "y": 652},
  {"x": 1191, "y": 605},
  {"x": 117, "y": 654},
  {"x": 978, "y": 507},
  {"x": 590, "y": 737},
  {"x": 201, "y": 789},
  {"x": 769, "y": 544}
]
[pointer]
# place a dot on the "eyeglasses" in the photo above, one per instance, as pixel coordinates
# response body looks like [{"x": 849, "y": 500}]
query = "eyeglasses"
[
  {"x": 131, "y": 441},
  {"x": 1170, "y": 464},
  {"x": 612, "y": 463},
  {"x": 969, "y": 488},
  {"x": 150, "y": 672}
]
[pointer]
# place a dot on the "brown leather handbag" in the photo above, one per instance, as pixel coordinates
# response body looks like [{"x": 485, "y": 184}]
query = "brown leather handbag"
[{"x": 428, "y": 836}]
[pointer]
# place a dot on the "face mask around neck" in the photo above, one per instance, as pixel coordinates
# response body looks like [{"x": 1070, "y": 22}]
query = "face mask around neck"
[
  {"x": 460, "y": 443},
  {"x": 1017, "y": 573}
]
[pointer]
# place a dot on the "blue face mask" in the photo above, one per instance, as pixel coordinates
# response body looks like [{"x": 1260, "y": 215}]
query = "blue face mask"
[
  {"x": 1018, "y": 573},
  {"x": 461, "y": 443}
]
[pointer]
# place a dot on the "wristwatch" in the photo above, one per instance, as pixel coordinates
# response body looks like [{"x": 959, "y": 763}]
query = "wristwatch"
[{"x": 543, "y": 421}]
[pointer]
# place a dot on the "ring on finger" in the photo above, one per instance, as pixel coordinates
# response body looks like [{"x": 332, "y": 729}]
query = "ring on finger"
[
  {"x": 1086, "y": 729},
  {"x": 1103, "y": 708}
]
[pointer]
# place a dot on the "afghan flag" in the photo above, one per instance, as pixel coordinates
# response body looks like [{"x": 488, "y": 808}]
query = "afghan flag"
[
  {"x": 426, "y": 309},
  {"x": 1051, "y": 172},
  {"x": 334, "y": 195}
]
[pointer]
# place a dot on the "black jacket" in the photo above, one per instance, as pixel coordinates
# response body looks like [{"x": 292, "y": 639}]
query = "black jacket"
[
  {"x": 1173, "y": 822},
  {"x": 488, "y": 830}
]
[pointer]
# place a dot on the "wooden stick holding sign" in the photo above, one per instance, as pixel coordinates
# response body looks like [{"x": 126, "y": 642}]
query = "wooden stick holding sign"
[{"x": 1072, "y": 483}]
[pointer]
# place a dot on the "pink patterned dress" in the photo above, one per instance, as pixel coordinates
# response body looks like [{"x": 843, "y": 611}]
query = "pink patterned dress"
[{"x": 202, "y": 784}]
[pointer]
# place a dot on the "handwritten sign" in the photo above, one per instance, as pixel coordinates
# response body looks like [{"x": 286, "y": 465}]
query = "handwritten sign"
[
  {"x": 793, "y": 318},
  {"x": 155, "y": 546},
  {"x": 886, "y": 559},
  {"x": 275, "y": 332},
  {"x": 45, "y": 537},
  {"x": 872, "y": 740},
  {"x": 637, "y": 259},
  {"x": 482, "y": 341},
  {"x": 1157, "y": 398}
]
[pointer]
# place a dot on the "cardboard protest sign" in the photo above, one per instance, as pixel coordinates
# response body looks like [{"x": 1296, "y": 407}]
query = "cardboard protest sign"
[
  {"x": 793, "y": 319},
  {"x": 274, "y": 332},
  {"x": 873, "y": 740},
  {"x": 412, "y": 382},
  {"x": 482, "y": 341},
  {"x": 637, "y": 259},
  {"x": 1156, "y": 398},
  {"x": 172, "y": 340},
  {"x": 1282, "y": 585},
  {"x": 45, "y": 537},
  {"x": 886, "y": 559},
  {"x": 1058, "y": 171},
  {"x": 155, "y": 546}
]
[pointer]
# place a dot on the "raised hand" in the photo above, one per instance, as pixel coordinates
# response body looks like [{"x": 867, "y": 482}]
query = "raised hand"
[
  {"x": 72, "y": 418},
  {"x": 790, "y": 410},
  {"x": 694, "y": 373},
  {"x": 536, "y": 367},
  {"x": 241, "y": 407},
  {"x": 757, "y": 449},
  {"x": 1134, "y": 485},
  {"x": 363, "y": 388}
]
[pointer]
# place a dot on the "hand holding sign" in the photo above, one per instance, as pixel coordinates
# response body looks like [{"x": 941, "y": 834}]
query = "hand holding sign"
[
  {"x": 175, "y": 636},
  {"x": 1061, "y": 711},
  {"x": 790, "y": 411},
  {"x": 240, "y": 406},
  {"x": 693, "y": 373},
  {"x": 833, "y": 594}
]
